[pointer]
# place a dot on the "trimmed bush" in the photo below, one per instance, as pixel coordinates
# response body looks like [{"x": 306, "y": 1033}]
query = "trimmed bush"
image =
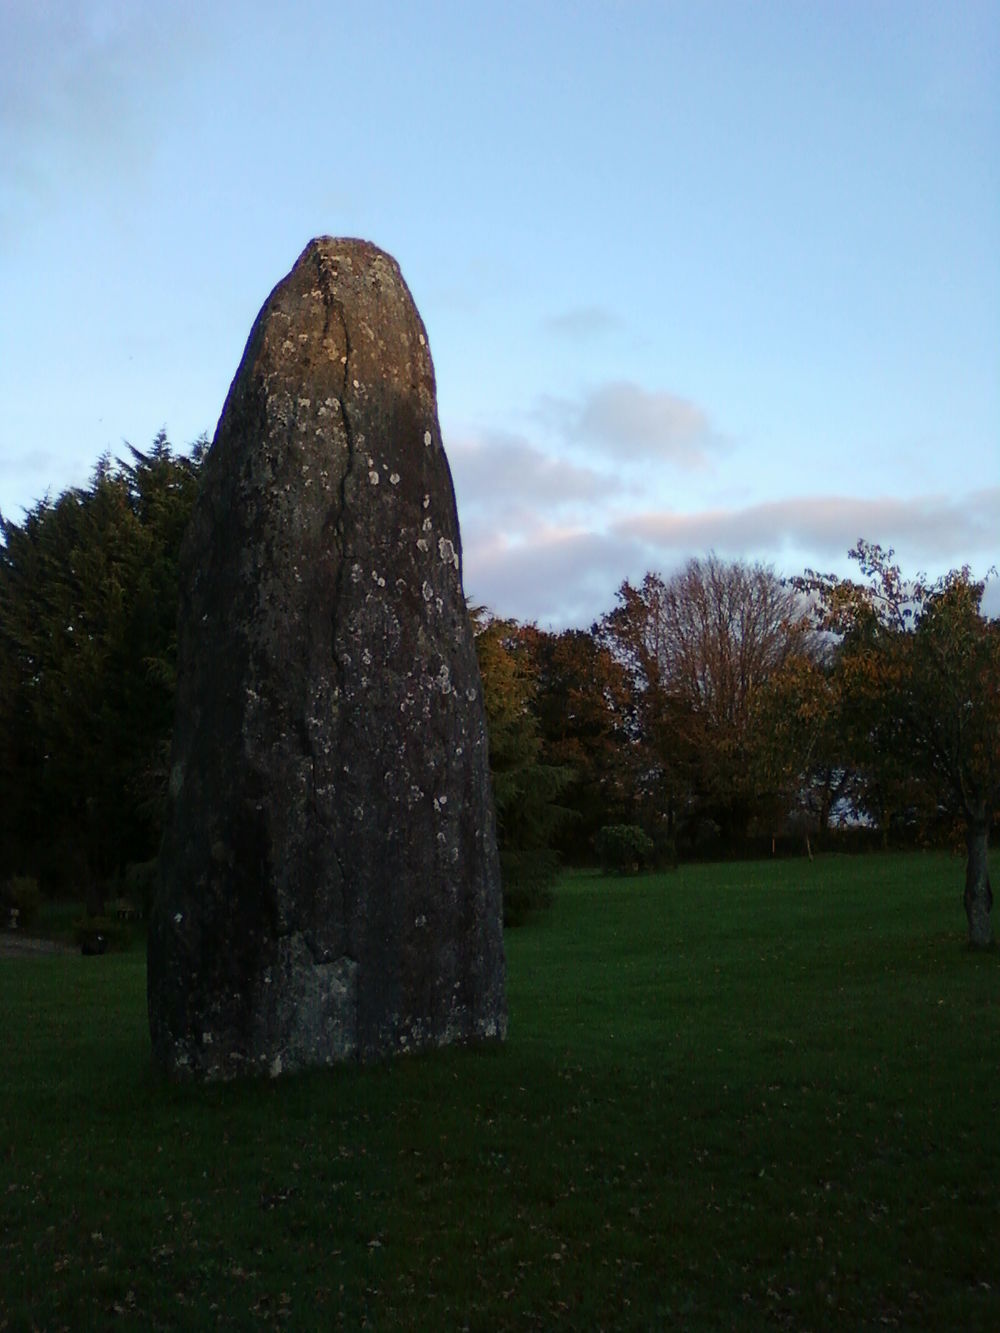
[
  {"x": 19, "y": 901},
  {"x": 623, "y": 849},
  {"x": 101, "y": 934}
]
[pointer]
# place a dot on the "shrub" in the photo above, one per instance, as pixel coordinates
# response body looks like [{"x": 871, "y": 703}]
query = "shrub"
[
  {"x": 101, "y": 934},
  {"x": 19, "y": 901},
  {"x": 623, "y": 848}
]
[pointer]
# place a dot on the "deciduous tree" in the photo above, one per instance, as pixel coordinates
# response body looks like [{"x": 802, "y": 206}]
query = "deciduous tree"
[
  {"x": 804, "y": 760},
  {"x": 920, "y": 668},
  {"x": 525, "y": 788},
  {"x": 700, "y": 647}
]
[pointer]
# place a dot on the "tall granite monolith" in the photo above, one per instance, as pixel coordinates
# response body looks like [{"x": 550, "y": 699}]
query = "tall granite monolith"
[{"x": 329, "y": 879}]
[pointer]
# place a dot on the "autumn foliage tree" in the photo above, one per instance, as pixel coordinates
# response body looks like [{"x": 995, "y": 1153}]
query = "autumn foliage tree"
[
  {"x": 919, "y": 671},
  {"x": 706, "y": 698},
  {"x": 526, "y": 789},
  {"x": 806, "y": 760},
  {"x": 700, "y": 648}
]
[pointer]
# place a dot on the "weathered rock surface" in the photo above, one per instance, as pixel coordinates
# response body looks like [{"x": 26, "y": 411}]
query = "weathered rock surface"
[{"x": 329, "y": 879}]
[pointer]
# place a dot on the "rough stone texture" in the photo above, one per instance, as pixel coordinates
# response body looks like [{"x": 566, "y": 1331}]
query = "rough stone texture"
[{"x": 329, "y": 879}]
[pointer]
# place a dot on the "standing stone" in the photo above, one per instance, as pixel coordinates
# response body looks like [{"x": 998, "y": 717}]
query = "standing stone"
[{"x": 329, "y": 879}]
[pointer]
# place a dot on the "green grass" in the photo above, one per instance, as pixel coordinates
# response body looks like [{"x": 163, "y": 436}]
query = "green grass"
[{"x": 742, "y": 1096}]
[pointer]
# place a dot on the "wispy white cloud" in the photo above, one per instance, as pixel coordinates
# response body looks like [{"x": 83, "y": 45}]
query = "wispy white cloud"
[
  {"x": 518, "y": 483},
  {"x": 932, "y": 527},
  {"x": 567, "y": 573},
  {"x": 79, "y": 93},
  {"x": 582, "y": 323},
  {"x": 30, "y": 461},
  {"x": 557, "y": 576},
  {"x": 623, "y": 420},
  {"x": 28, "y": 473}
]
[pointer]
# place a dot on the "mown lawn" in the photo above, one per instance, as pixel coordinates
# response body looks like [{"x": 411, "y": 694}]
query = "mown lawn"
[{"x": 737, "y": 1096}]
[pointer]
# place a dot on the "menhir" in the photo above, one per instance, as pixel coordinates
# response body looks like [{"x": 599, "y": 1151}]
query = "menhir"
[{"x": 329, "y": 879}]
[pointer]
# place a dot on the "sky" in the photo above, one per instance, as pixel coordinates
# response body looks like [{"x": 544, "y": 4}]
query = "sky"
[{"x": 701, "y": 276}]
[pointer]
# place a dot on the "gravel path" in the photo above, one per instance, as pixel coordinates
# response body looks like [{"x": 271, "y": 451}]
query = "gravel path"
[{"x": 13, "y": 945}]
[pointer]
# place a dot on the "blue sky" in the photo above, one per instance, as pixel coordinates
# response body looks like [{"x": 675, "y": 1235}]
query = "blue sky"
[{"x": 695, "y": 275}]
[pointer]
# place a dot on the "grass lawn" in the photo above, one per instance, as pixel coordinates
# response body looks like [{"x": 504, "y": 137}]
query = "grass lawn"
[{"x": 736, "y": 1096}]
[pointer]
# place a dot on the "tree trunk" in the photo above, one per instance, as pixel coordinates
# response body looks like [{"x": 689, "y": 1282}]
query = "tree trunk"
[
  {"x": 978, "y": 896},
  {"x": 89, "y": 886}
]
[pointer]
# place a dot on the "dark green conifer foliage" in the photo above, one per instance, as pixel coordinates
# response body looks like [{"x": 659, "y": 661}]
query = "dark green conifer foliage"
[{"x": 88, "y": 609}]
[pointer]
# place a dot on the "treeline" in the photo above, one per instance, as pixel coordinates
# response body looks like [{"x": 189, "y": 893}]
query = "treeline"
[
  {"x": 88, "y": 608},
  {"x": 724, "y": 711},
  {"x": 721, "y": 710}
]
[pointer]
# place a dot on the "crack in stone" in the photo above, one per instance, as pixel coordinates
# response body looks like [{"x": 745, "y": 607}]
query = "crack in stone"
[{"x": 334, "y": 528}]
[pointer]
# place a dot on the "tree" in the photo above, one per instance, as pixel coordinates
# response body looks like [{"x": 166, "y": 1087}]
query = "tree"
[
  {"x": 88, "y": 604},
  {"x": 804, "y": 759},
  {"x": 582, "y": 704},
  {"x": 920, "y": 669},
  {"x": 655, "y": 731},
  {"x": 525, "y": 788},
  {"x": 699, "y": 648}
]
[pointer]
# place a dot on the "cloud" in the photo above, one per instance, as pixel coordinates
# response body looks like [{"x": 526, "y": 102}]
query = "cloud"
[
  {"x": 28, "y": 472},
  {"x": 30, "y": 461},
  {"x": 558, "y": 577},
  {"x": 581, "y": 323},
  {"x": 509, "y": 477},
  {"x": 924, "y": 528},
  {"x": 562, "y": 574},
  {"x": 623, "y": 420},
  {"x": 80, "y": 85}
]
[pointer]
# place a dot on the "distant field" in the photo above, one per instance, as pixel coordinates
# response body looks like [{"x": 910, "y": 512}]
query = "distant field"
[{"x": 753, "y": 1096}]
